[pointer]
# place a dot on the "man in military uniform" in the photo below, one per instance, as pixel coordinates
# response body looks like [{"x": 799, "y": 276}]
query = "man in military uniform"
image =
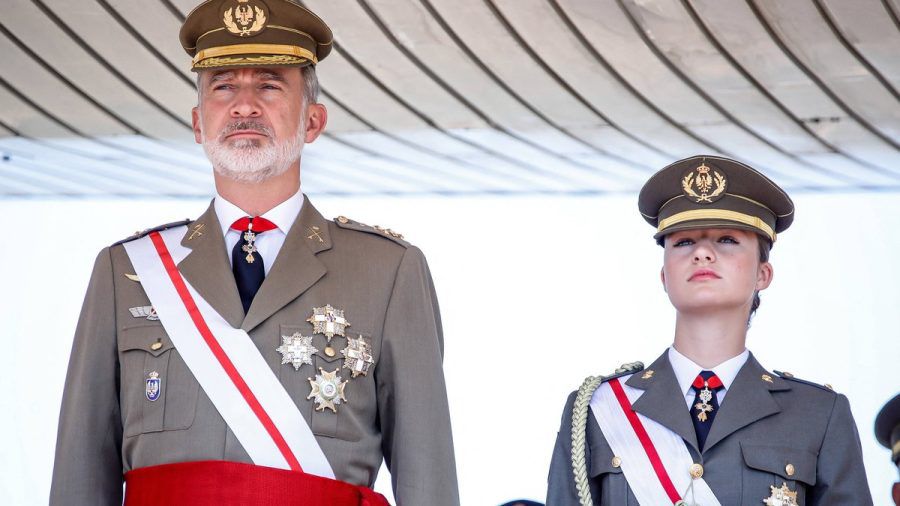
[
  {"x": 705, "y": 423},
  {"x": 887, "y": 431},
  {"x": 259, "y": 354}
]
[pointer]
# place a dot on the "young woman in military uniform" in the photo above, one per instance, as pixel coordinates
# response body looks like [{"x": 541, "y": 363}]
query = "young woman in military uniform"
[{"x": 705, "y": 423}]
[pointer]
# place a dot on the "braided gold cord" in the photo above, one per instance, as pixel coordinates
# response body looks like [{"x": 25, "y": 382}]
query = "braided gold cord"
[{"x": 579, "y": 432}]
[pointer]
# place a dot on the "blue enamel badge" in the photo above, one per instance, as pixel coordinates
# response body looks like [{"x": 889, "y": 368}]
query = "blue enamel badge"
[{"x": 154, "y": 386}]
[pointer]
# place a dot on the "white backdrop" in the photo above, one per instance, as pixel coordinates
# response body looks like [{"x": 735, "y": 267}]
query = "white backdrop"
[{"x": 536, "y": 293}]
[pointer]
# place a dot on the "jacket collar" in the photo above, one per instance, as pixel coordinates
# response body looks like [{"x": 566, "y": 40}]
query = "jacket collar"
[{"x": 208, "y": 269}]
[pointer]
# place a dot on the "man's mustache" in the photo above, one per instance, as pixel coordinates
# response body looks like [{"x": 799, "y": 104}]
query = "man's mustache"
[{"x": 237, "y": 126}]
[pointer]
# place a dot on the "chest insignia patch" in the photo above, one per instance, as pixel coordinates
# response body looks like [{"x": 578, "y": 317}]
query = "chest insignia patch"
[
  {"x": 153, "y": 386},
  {"x": 782, "y": 496},
  {"x": 147, "y": 312}
]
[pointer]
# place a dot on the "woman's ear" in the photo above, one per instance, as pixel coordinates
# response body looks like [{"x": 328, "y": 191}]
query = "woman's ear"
[
  {"x": 764, "y": 276},
  {"x": 662, "y": 278}
]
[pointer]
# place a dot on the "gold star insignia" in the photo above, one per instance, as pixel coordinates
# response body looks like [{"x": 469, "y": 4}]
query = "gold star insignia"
[{"x": 327, "y": 390}]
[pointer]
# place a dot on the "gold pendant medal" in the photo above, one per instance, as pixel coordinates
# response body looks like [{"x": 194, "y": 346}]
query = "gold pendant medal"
[
  {"x": 250, "y": 247},
  {"x": 704, "y": 406}
]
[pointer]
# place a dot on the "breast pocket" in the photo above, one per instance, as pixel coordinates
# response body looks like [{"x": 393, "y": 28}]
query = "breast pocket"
[
  {"x": 770, "y": 466},
  {"x": 609, "y": 482},
  {"x": 158, "y": 391}
]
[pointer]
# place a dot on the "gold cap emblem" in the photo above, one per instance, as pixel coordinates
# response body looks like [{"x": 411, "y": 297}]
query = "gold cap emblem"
[
  {"x": 245, "y": 17},
  {"x": 704, "y": 185}
]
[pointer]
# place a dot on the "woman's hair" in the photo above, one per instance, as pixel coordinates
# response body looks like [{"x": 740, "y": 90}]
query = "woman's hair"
[{"x": 764, "y": 247}]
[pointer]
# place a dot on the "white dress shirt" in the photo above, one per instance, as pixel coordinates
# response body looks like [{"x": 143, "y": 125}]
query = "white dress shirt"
[
  {"x": 268, "y": 244},
  {"x": 686, "y": 372}
]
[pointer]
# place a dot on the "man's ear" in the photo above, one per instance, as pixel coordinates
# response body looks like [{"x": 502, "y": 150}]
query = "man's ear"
[
  {"x": 195, "y": 125},
  {"x": 316, "y": 119}
]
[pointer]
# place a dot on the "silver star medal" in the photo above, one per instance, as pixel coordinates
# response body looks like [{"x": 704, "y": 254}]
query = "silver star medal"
[
  {"x": 329, "y": 321},
  {"x": 327, "y": 390},
  {"x": 296, "y": 350},
  {"x": 358, "y": 356},
  {"x": 148, "y": 312}
]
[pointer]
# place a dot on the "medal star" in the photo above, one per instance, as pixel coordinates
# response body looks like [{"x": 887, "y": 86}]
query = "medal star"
[
  {"x": 358, "y": 356},
  {"x": 296, "y": 350},
  {"x": 327, "y": 390},
  {"x": 782, "y": 496},
  {"x": 329, "y": 321}
]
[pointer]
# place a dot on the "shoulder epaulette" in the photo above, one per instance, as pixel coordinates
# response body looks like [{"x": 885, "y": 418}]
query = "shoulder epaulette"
[
  {"x": 344, "y": 222},
  {"x": 790, "y": 377},
  {"x": 142, "y": 233},
  {"x": 622, "y": 370}
]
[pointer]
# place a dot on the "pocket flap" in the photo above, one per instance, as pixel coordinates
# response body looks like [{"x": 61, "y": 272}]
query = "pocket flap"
[
  {"x": 150, "y": 338},
  {"x": 790, "y": 463},
  {"x": 602, "y": 461}
]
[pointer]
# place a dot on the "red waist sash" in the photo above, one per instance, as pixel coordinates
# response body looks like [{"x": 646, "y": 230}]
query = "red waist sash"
[{"x": 219, "y": 483}]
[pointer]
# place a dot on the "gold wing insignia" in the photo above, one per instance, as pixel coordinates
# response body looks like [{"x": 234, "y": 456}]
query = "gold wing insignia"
[
  {"x": 229, "y": 22},
  {"x": 720, "y": 186},
  {"x": 259, "y": 22}
]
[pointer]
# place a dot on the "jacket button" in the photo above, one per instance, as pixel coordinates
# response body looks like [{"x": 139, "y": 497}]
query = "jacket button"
[
  {"x": 696, "y": 471},
  {"x": 789, "y": 469},
  {"x": 617, "y": 461}
]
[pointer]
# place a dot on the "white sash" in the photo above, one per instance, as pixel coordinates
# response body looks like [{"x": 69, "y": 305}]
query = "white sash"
[
  {"x": 636, "y": 464},
  {"x": 226, "y": 363}
]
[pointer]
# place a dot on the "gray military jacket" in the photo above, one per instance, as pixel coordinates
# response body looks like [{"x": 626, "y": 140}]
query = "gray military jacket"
[
  {"x": 764, "y": 423},
  {"x": 398, "y": 411}
]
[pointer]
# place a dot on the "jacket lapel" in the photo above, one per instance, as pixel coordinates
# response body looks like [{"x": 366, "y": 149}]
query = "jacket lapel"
[
  {"x": 749, "y": 399},
  {"x": 296, "y": 267},
  {"x": 662, "y": 400},
  {"x": 208, "y": 269}
]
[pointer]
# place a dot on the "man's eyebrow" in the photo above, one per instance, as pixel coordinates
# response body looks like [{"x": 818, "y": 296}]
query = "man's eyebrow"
[
  {"x": 221, "y": 76},
  {"x": 266, "y": 75}
]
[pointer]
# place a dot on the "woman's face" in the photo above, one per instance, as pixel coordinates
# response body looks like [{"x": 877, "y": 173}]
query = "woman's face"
[{"x": 713, "y": 269}]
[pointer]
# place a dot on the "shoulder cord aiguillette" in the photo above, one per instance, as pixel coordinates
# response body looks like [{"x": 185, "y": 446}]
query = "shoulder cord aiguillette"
[{"x": 579, "y": 432}]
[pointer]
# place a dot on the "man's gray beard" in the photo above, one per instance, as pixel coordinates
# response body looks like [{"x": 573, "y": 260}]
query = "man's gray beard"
[{"x": 248, "y": 160}]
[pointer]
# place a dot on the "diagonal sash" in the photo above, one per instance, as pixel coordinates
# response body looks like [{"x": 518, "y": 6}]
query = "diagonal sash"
[
  {"x": 655, "y": 460},
  {"x": 225, "y": 362}
]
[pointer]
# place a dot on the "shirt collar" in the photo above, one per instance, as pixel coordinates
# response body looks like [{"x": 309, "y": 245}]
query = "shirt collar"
[
  {"x": 283, "y": 215},
  {"x": 686, "y": 370}
]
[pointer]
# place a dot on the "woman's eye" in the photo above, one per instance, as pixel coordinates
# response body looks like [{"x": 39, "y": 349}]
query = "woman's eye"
[
  {"x": 683, "y": 242},
  {"x": 728, "y": 240}
]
